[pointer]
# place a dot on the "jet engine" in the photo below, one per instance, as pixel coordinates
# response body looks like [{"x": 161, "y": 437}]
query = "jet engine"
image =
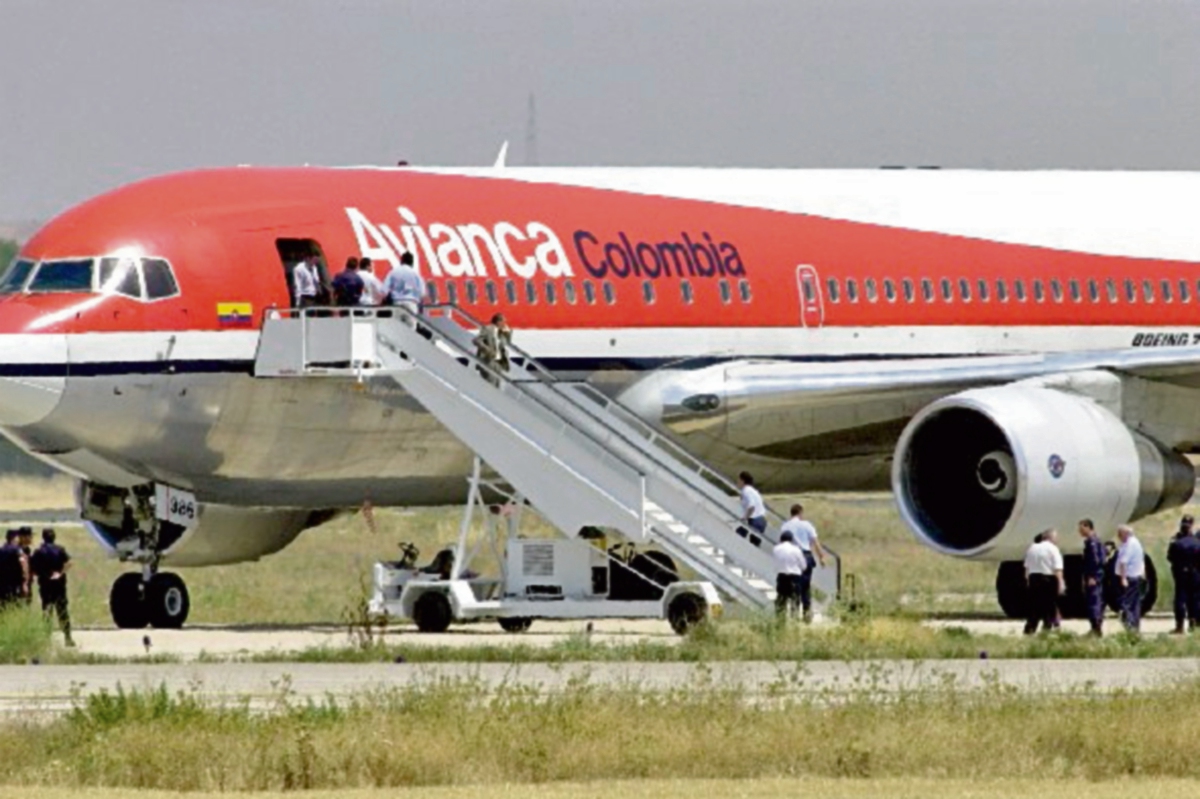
[{"x": 978, "y": 474}]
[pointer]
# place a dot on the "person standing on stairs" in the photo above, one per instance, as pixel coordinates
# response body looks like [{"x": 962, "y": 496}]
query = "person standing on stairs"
[{"x": 754, "y": 512}]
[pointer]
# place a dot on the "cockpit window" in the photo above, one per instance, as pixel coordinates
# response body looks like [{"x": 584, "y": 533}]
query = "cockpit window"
[
  {"x": 16, "y": 275},
  {"x": 74, "y": 275},
  {"x": 120, "y": 276},
  {"x": 160, "y": 282}
]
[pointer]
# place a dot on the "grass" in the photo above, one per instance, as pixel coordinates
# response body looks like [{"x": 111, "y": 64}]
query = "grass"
[
  {"x": 453, "y": 733},
  {"x": 24, "y": 634},
  {"x": 691, "y": 789}
]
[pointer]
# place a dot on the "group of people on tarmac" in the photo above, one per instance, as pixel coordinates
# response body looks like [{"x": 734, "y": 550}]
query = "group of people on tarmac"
[
  {"x": 1046, "y": 583},
  {"x": 21, "y": 566},
  {"x": 357, "y": 284},
  {"x": 796, "y": 554}
]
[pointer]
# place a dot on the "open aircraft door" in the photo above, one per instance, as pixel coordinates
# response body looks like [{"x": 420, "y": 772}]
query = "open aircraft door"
[{"x": 812, "y": 306}]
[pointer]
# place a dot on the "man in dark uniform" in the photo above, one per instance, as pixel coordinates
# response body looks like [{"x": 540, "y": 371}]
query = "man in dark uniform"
[
  {"x": 50, "y": 564},
  {"x": 1184, "y": 556},
  {"x": 1093, "y": 576},
  {"x": 14, "y": 570},
  {"x": 347, "y": 285}
]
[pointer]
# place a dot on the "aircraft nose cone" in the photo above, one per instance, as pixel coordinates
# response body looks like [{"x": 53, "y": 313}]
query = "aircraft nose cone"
[{"x": 32, "y": 377}]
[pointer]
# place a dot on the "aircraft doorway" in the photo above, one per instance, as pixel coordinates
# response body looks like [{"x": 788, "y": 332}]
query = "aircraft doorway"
[
  {"x": 812, "y": 305},
  {"x": 291, "y": 251}
]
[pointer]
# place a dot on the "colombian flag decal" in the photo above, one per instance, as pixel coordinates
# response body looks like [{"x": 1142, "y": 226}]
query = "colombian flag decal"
[{"x": 235, "y": 314}]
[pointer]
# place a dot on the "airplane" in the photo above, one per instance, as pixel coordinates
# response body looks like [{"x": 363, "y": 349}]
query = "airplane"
[{"x": 1004, "y": 351}]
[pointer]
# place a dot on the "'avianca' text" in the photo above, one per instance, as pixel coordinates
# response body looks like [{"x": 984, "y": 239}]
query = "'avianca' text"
[{"x": 508, "y": 249}]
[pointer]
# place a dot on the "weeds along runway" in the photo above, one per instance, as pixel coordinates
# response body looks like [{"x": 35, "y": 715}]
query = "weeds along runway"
[{"x": 49, "y": 689}]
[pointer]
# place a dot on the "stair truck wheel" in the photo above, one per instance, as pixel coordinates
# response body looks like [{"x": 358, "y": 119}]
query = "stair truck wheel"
[
  {"x": 167, "y": 601},
  {"x": 516, "y": 624},
  {"x": 432, "y": 613},
  {"x": 685, "y": 611},
  {"x": 125, "y": 602}
]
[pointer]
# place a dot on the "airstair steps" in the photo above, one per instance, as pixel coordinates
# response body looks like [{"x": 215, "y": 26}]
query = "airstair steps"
[{"x": 578, "y": 456}]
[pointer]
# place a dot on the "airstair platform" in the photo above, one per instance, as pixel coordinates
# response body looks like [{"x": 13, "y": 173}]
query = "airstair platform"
[{"x": 578, "y": 456}]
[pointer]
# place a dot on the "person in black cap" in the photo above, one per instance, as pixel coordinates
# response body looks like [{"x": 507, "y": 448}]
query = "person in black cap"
[
  {"x": 50, "y": 565},
  {"x": 1183, "y": 554},
  {"x": 14, "y": 570}
]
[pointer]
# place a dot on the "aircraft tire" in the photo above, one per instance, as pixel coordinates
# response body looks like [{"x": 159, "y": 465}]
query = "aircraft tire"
[
  {"x": 167, "y": 601},
  {"x": 1011, "y": 591},
  {"x": 432, "y": 613},
  {"x": 516, "y": 624},
  {"x": 126, "y": 602},
  {"x": 686, "y": 611}
]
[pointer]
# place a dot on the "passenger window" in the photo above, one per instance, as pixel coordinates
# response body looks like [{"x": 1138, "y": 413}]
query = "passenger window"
[
  {"x": 726, "y": 294},
  {"x": 1166, "y": 291},
  {"x": 531, "y": 296},
  {"x": 685, "y": 289},
  {"x": 431, "y": 293},
  {"x": 1183, "y": 291},
  {"x": 1110, "y": 286},
  {"x": 983, "y": 290},
  {"x": 1076, "y": 293},
  {"x": 834, "y": 294},
  {"x": 569, "y": 292},
  {"x": 947, "y": 290},
  {"x": 1093, "y": 290},
  {"x": 964, "y": 289},
  {"x": 489, "y": 289},
  {"x": 744, "y": 290},
  {"x": 510, "y": 291},
  {"x": 648, "y": 292},
  {"x": 120, "y": 276},
  {"x": 610, "y": 293},
  {"x": 927, "y": 289},
  {"x": 589, "y": 292},
  {"x": 872, "y": 291},
  {"x": 14, "y": 279},
  {"x": 889, "y": 289},
  {"x": 1019, "y": 290},
  {"x": 851, "y": 289},
  {"x": 452, "y": 292},
  {"x": 1130, "y": 290},
  {"x": 910, "y": 293},
  {"x": 1056, "y": 290},
  {"x": 69, "y": 276},
  {"x": 1001, "y": 290},
  {"x": 1039, "y": 291},
  {"x": 551, "y": 294},
  {"x": 472, "y": 292},
  {"x": 1147, "y": 291}
]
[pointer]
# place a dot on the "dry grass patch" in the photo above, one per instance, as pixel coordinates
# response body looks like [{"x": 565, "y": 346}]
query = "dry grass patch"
[
  {"x": 693, "y": 789},
  {"x": 36, "y": 493}
]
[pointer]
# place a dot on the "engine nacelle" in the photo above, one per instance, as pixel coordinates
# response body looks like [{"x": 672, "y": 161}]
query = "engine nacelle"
[
  {"x": 222, "y": 534},
  {"x": 978, "y": 474}
]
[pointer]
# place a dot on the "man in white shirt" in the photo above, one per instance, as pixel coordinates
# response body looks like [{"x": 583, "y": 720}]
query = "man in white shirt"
[
  {"x": 754, "y": 512},
  {"x": 805, "y": 535},
  {"x": 1044, "y": 576},
  {"x": 789, "y": 570},
  {"x": 404, "y": 287},
  {"x": 305, "y": 282},
  {"x": 1131, "y": 571},
  {"x": 373, "y": 292}
]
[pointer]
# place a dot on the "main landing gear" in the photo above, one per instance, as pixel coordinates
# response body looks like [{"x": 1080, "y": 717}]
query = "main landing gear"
[
  {"x": 158, "y": 599},
  {"x": 1011, "y": 589}
]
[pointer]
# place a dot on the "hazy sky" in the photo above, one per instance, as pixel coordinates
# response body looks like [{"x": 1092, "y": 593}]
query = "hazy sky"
[{"x": 97, "y": 94}]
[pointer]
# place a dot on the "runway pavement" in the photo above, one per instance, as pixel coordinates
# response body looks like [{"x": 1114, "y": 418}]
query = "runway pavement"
[{"x": 41, "y": 690}]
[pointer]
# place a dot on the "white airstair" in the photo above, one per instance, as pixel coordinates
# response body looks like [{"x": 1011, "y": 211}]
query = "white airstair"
[{"x": 576, "y": 455}]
